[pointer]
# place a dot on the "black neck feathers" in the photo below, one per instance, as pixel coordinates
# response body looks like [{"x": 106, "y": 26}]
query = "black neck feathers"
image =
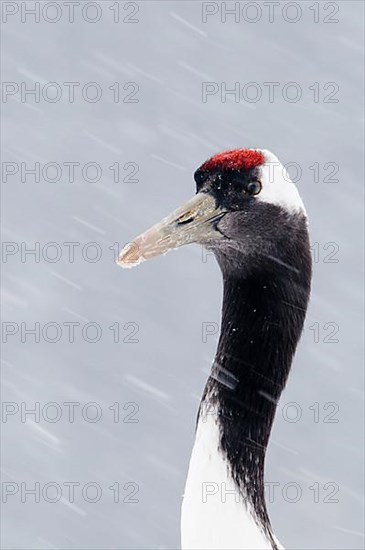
[{"x": 263, "y": 313}]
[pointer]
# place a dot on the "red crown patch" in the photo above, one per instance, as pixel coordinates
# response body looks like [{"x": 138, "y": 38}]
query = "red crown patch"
[{"x": 238, "y": 159}]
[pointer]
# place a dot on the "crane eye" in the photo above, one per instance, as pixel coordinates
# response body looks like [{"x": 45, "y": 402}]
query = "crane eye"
[{"x": 253, "y": 188}]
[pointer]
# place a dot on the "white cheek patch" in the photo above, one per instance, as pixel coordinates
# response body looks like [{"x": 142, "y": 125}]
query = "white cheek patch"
[{"x": 277, "y": 187}]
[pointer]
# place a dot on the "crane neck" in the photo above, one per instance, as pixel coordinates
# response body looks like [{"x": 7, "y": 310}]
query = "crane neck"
[{"x": 262, "y": 319}]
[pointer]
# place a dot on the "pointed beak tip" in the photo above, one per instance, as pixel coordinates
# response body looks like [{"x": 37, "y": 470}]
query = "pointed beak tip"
[
  {"x": 128, "y": 257},
  {"x": 127, "y": 264},
  {"x": 124, "y": 264}
]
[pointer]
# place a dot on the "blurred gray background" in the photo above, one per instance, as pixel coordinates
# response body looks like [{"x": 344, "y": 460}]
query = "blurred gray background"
[{"x": 168, "y": 53}]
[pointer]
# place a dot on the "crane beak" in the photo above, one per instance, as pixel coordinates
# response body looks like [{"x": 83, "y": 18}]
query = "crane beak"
[{"x": 193, "y": 222}]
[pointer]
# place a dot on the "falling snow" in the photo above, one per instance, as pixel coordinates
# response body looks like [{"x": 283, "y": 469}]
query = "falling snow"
[{"x": 163, "y": 367}]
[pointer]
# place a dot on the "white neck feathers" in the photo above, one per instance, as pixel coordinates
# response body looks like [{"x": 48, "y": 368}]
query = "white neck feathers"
[{"x": 215, "y": 515}]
